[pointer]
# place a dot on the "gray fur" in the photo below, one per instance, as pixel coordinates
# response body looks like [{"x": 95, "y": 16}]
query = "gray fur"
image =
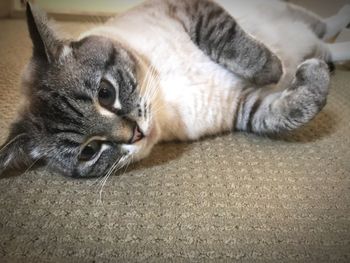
[
  {"x": 219, "y": 36},
  {"x": 264, "y": 112},
  {"x": 61, "y": 115},
  {"x": 315, "y": 22}
]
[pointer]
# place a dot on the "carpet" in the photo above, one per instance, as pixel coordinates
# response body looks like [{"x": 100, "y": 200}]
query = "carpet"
[{"x": 231, "y": 198}]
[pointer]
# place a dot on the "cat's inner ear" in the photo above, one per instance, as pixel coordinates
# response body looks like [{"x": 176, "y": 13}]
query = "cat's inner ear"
[{"x": 47, "y": 45}]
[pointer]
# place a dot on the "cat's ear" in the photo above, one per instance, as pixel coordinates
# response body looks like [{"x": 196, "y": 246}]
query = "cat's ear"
[
  {"x": 15, "y": 152},
  {"x": 47, "y": 45}
]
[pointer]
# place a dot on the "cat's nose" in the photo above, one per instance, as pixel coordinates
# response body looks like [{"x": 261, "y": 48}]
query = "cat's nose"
[
  {"x": 138, "y": 134},
  {"x": 123, "y": 131}
]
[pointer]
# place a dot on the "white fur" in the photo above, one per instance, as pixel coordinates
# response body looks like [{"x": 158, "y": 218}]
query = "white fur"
[
  {"x": 198, "y": 95},
  {"x": 340, "y": 51},
  {"x": 117, "y": 105},
  {"x": 64, "y": 53},
  {"x": 269, "y": 22},
  {"x": 337, "y": 22}
]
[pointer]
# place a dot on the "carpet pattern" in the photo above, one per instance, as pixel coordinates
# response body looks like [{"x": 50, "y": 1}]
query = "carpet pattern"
[{"x": 232, "y": 198}]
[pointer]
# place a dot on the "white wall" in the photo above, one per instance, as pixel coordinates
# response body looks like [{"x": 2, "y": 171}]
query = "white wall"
[
  {"x": 99, "y": 7},
  {"x": 82, "y": 6},
  {"x": 322, "y": 7}
]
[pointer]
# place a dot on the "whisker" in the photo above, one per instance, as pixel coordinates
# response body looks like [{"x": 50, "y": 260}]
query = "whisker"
[
  {"x": 116, "y": 166},
  {"x": 11, "y": 141},
  {"x": 100, "y": 179},
  {"x": 31, "y": 166}
]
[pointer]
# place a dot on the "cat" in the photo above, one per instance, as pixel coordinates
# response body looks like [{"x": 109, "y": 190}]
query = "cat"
[{"x": 168, "y": 70}]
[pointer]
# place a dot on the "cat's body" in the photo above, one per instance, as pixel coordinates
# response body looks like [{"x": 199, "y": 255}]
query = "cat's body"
[
  {"x": 189, "y": 71},
  {"x": 196, "y": 95}
]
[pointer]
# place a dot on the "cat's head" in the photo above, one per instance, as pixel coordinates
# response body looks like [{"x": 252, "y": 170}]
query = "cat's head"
[{"x": 85, "y": 112}]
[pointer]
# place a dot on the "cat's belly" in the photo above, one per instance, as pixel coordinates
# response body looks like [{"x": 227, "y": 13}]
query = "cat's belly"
[
  {"x": 198, "y": 96},
  {"x": 200, "y": 100}
]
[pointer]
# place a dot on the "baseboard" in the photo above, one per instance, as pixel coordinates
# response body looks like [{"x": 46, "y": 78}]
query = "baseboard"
[{"x": 82, "y": 17}]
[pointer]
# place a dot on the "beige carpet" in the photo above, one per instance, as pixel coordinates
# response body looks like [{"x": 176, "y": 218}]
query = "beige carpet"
[{"x": 232, "y": 198}]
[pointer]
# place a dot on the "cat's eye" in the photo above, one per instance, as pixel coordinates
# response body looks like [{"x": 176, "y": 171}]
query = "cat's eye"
[
  {"x": 90, "y": 151},
  {"x": 106, "y": 94}
]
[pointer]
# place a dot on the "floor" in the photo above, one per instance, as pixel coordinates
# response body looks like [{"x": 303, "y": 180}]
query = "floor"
[{"x": 235, "y": 197}]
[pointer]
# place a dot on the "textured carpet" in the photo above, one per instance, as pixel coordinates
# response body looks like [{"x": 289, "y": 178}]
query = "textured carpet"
[{"x": 232, "y": 198}]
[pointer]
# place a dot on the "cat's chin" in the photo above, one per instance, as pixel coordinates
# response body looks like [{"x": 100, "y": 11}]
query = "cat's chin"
[{"x": 142, "y": 148}]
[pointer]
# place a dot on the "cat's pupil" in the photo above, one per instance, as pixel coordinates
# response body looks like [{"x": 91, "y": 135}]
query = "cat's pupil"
[
  {"x": 106, "y": 94},
  {"x": 90, "y": 151}
]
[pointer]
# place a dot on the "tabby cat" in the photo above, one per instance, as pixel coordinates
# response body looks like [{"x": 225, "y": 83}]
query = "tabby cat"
[{"x": 169, "y": 70}]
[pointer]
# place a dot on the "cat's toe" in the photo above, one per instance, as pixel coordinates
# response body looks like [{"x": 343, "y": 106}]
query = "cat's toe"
[
  {"x": 270, "y": 73},
  {"x": 308, "y": 94},
  {"x": 314, "y": 74}
]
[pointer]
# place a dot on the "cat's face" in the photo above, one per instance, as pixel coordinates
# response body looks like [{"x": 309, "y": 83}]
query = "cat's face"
[{"x": 86, "y": 114}]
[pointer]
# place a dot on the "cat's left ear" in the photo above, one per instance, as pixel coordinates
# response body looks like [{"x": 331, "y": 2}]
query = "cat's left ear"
[{"x": 47, "y": 46}]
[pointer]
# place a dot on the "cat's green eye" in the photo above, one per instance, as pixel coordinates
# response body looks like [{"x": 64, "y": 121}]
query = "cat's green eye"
[
  {"x": 106, "y": 94},
  {"x": 90, "y": 151}
]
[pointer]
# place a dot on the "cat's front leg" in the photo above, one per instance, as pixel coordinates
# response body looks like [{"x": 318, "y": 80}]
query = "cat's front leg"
[
  {"x": 276, "y": 112},
  {"x": 218, "y": 35}
]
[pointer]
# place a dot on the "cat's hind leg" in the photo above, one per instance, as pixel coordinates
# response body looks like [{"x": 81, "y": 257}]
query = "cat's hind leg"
[
  {"x": 335, "y": 24},
  {"x": 289, "y": 109},
  {"x": 326, "y": 29},
  {"x": 218, "y": 35},
  {"x": 339, "y": 51},
  {"x": 315, "y": 22}
]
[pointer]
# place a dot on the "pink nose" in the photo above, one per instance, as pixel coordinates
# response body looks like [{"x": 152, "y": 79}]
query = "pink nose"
[{"x": 138, "y": 135}]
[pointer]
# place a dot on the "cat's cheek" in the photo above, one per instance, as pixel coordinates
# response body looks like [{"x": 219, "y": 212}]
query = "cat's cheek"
[
  {"x": 130, "y": 149},
  {"x": 153, "y": 134}
]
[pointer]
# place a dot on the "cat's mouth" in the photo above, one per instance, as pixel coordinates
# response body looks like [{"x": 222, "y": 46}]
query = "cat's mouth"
[{"x": 137, "y": 135}]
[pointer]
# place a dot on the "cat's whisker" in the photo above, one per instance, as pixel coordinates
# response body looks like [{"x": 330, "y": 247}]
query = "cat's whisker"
[
  {"x": 153, "y": 89},
  {"x": 96, "y": 180},
  {"x": 31, "y": 166},
  {"x": 116, "y": 166},
  {"x": 36, "y": 161},
  {"x": 144, "y": 80},
  {"x": 101, "y": 178},
  {"x": 128, "y": 164},
  {"x": 11, "y": 141},
  {"x": 150, "y": 74},
  {"x": 152, "y": 86},
  {"x": 102, "y": 183},
  {"x": 113, "y": 170}
]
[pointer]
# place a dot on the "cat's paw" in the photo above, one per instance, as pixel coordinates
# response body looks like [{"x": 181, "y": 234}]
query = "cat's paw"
[
  {"x": 308, "y": 93},
  {"x": 271, "y": 72},
  {"x": 313, "y": 74}
]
